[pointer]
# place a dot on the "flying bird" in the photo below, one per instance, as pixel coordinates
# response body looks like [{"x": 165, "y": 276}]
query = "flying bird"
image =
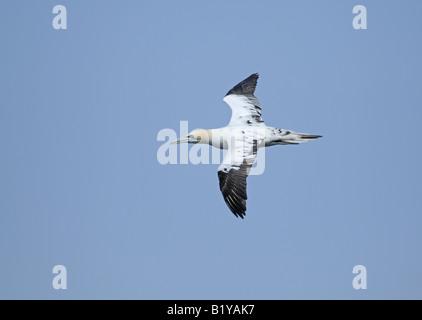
[{"x": 242, "y": 137}]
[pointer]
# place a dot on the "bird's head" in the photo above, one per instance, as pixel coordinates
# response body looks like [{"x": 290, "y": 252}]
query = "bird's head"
[{"x": 196, "y": 136}]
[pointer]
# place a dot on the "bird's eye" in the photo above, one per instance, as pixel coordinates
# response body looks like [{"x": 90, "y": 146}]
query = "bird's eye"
[{"x": 198, "y": 138}]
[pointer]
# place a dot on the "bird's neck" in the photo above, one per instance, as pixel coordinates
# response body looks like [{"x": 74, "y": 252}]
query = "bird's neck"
[{"x": 215, "y": 138}]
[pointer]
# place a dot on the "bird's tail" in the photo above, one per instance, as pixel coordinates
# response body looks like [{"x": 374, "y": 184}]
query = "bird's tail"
[{"x": 290, "y": 137}]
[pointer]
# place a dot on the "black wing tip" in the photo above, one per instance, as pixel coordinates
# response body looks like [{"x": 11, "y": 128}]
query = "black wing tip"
[
  {"x": 240, "y": 215},
  {"x": 253, "y": 77},
  {"x": 247, "y": 86},
  {"x": 238, "y": 207}
]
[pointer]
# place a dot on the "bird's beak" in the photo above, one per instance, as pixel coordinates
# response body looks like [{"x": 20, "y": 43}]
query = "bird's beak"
[{"x": 181, "y": 140}]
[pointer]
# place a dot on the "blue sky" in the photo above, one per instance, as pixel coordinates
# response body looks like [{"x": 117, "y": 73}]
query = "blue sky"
[{"x": 80, "y": 184}]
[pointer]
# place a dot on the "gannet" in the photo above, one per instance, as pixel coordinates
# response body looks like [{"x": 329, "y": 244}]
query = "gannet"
[{"x": 242, "y": 137}]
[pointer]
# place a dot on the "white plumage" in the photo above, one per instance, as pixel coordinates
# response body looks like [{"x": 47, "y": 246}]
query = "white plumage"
[{"x": 244, "y": 135}]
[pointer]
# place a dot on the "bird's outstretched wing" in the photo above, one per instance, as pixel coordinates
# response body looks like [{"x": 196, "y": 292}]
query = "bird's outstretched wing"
[
  {"x": 246, "y": 109},
  {"x": 234, "y": 170}
]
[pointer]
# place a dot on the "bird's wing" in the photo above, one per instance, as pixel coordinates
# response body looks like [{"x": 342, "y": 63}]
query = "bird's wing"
[
  {"x": 246, "y": 109},
  {"x": 234, "y": 170}
]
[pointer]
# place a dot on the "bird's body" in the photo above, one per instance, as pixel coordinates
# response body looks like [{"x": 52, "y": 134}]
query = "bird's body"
[
  {"x": 242, "y": 138},
  {"x": 220, "y": 138}
]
